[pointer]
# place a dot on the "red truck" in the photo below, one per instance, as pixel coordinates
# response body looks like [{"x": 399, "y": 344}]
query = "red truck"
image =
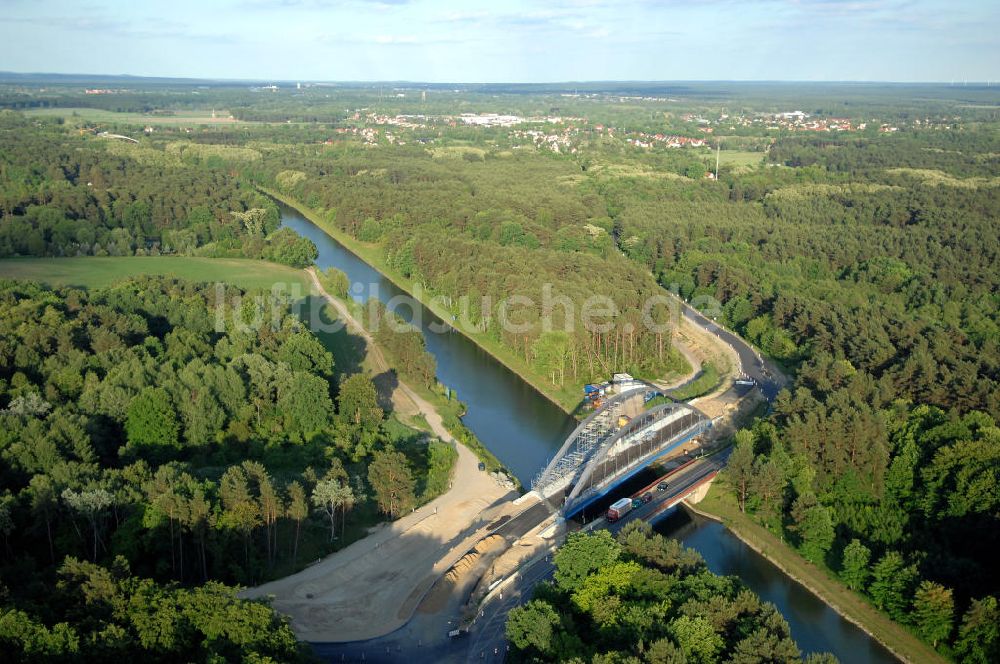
[{"x": 619, "y": 508}]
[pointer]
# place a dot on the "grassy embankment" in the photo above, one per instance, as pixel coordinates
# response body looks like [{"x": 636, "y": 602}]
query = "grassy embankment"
[
  {"x": 100, "y": 271},
  {"x": 349, "y": 351},
  {"x": 566, "y": 397},
  {"x": 706, "y": 382},
  {"x": 720, "y": 504}
]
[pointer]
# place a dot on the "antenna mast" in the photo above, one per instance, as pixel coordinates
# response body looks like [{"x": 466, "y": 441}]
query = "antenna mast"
[{"x": 718, "y": 149}]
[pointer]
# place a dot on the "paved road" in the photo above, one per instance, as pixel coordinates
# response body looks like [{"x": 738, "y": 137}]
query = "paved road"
[
  {"x": 487, "y": 639},
  {"x": 766, "y": 375},
  {"x": 424, "y": 638}
]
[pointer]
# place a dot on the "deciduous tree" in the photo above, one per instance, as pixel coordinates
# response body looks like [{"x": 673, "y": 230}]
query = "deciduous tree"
[
  {"x": 933, "y": 611},
  {"x": 854, "y": 565}
]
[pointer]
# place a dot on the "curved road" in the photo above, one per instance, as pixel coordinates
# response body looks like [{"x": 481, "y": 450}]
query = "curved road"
[
  {"x": 767, "y": 377},
  {"x": 486, "y": 640}
]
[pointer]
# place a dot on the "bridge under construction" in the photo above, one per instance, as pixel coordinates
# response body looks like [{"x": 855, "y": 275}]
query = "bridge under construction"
[{"x": 615, "y": 442}]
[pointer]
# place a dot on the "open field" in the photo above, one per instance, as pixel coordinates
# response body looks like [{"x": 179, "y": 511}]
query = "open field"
[
  {"x": 739, "y": 159},
  {"x": 96, "y": 271},
  {"x": 720, "y": 504},
  {"x": 181, "y": 118}
]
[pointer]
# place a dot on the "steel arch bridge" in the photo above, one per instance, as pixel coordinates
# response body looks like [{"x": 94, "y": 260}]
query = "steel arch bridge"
[{"x": 607, "y": 448}]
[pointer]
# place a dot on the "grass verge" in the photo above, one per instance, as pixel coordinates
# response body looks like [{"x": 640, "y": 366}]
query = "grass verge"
[
  {"x": 99, "y": 271},
  {"x": 721, "y": 505},
  {"x": 706, "y": 381}
]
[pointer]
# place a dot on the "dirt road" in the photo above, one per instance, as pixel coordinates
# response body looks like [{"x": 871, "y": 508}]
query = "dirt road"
[{"x": 373, "y": 586}]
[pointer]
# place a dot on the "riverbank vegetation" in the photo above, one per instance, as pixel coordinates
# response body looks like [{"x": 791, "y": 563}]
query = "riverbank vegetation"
[
  {"x": 643, "y": 597},
  {"x": 151, "y": 429},
  {"x": 406, "y": 351},
  {"x": 566, "y": 395},
  {"x": 721, "y": 504},
  {"x": 859, "y": 252},
  {"x": 505, "y": 231}
]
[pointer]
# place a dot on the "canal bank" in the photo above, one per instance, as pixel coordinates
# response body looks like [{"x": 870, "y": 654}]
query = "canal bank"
[
  {"x": 893, "y": 638},
  {"x": 524, "y": 431},
  {"x": 565, "y": 399},
  {"x": 511, "y": 418}
]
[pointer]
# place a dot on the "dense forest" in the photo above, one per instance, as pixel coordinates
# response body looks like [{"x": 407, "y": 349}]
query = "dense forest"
[
  {"x": 863, "y": 261},
  {"x": 150, "y": 430},
  {"x": 69, "y": 195},
  {"x": 642, "y": 597},
  {"x": 475, "y": 232},
  {"x": 866, "y": 266},
  {"x": 879, "y": 288}
]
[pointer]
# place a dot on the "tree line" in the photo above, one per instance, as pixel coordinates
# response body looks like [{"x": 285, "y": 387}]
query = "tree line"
[
  {"x": 137, "y": 429},
  {"x": 643, "y": 597},
  {"x": 63, "y": 194}
]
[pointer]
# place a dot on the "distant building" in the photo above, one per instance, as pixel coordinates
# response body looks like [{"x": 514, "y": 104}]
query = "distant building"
[{"x": 491, "y": 119}]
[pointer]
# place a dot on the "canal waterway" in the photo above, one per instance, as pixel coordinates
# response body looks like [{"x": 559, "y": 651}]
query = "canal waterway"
[
  {"x": 519, "y": 425},
  {"x": 524, "y": 430}
]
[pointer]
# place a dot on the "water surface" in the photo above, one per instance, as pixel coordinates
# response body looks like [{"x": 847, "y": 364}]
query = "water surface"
[
  {"x": 524, "y": 429},
  {"x": 519, "y": 425},
  {"x": 815, "y": 626}
]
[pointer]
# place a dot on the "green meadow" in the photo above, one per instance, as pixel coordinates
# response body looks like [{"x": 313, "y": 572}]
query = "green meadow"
[{"x": 100, "y": 271}]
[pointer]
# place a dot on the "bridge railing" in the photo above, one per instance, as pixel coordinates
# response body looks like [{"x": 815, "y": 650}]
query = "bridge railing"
[
  {"x": 586, "y": 440},
  {"x": 644, "y": 441}
]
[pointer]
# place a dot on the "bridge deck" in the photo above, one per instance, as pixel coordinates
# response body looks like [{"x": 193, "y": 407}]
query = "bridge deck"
[
  {"x": 613, "y": 444},
  {"x": 622, "y": 474}
]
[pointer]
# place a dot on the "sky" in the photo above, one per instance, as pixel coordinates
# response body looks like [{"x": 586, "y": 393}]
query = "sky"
[{"x": 507, "y": 40}]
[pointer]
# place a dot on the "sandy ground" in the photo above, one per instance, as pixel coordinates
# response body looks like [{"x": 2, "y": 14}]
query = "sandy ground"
[
  {"x": 436, "y": 558},
  {"x": 682, "y": 343},
  {"x": 695, "y": 342},
  {"x": 373, "y": 586}
]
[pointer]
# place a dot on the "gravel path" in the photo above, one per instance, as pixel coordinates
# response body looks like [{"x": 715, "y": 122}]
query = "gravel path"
[{"x": 373, "y": 586}]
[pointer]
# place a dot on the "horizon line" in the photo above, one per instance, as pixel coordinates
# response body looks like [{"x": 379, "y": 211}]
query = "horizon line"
[{"x": 218, "y": 79}]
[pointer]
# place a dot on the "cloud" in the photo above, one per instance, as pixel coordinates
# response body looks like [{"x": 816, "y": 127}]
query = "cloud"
[
  {"x": 386, "y": 39},
  {"x": 394, "y": 39},
  {"x": 554, "y": 19}
]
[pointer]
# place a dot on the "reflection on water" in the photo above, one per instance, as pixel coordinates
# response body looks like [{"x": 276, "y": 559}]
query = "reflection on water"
[{"x": 815, "y": 626}]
